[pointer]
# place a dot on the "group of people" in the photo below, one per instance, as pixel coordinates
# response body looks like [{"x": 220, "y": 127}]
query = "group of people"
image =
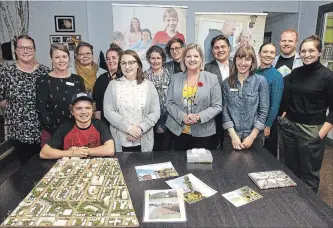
[{"x": 181, "y": 104}]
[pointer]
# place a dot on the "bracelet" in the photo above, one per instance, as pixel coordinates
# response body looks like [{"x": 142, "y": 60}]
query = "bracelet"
[{"x": 72, "y": 151}]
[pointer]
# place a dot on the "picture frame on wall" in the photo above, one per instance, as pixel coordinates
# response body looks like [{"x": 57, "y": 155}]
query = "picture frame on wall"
[
  {"x": 71, "y": 41},
  {"x": 64, "y": 23}
]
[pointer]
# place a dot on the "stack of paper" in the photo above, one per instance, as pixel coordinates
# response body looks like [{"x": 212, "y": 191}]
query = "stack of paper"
[{"x": 199, "y": 156}]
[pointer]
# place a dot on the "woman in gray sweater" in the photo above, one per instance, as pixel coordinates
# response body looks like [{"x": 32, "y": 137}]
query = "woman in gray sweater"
[{"x": 132, "y": 107}]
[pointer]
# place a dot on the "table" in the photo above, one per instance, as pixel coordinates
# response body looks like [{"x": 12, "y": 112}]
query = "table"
[{"x": 284, "y": 207}]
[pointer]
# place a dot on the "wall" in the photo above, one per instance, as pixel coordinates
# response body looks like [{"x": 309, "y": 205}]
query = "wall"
[
  {"x": 42, "y": 23},
  {"x": 278, "y": 23},
  {"x": 93, "y": 19}
]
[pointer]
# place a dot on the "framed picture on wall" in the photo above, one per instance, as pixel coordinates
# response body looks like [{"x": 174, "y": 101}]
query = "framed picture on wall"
[
  {"x": 64, "y": 23},
  {"x": 71, "y": 41}
]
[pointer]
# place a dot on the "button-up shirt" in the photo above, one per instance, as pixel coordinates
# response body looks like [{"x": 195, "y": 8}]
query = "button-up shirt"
[
  {"x": 245, "y": 106},
  {"x": 224, "y": 69}
]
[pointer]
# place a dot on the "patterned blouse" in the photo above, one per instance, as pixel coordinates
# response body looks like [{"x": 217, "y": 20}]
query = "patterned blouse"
[
  {"x": 131, "y": 100},
  {"x": 54, "y": 95},
  {"x": 19, "y": 89}
]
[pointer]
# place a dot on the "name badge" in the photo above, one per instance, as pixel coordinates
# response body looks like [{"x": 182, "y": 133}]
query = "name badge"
[
  {"x": 70, "y": 83},
  {"x": 233, "y": 90}
]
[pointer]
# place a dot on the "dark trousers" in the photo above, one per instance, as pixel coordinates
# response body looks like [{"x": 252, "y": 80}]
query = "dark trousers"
[
  {"x": 162, "y": 142},
  {"x": 186, "y": 142},
  {"x": 271, "y": 142},
  {"x": 25, "y": 151},
  {"x": 132, "y": 149},
  {"x": 303, "y": 151},
  {"x": 219, "y": 137}
]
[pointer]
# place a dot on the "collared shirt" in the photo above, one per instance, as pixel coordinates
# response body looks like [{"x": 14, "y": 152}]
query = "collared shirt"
[
  {"x": 245, "y": 107},
  {"x": 224, "y": 69},
  {"x": 131, "y": 99}
]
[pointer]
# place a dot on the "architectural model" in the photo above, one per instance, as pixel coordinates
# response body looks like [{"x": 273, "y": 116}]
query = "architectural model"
[{"x": 78, "y": 192}]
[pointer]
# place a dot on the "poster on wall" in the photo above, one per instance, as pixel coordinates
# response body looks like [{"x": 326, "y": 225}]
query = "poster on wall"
[
  {"x": 70, "y": 41},
  {"x": 240, "y": 28},
  {"x": 137, "y": 27}
]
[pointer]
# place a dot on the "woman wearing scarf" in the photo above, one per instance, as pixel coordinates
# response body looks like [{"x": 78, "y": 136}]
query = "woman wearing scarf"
[
  {"x": 159, "y": 76},
  {"x": 85, "y": 66}
]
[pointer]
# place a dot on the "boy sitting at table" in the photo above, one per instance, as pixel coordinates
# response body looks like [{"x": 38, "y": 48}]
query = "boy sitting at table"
[{"x": 81, "y": 137}]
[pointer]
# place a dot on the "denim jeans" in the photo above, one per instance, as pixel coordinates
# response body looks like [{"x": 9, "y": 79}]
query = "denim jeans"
[{"x": 303, "y": 151}]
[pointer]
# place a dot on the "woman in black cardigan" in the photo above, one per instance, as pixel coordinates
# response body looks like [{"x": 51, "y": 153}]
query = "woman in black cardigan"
[{"x": 304, "y": 126}]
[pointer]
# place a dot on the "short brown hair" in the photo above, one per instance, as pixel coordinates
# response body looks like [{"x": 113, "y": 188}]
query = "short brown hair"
[
  {"x": 315, "y": 38},
  {"x": 60, "y": 47},
  {"x": 186, "y": 49},
  {"x": 139, "y": 76},
  {"x": 246, "y": 51},
  {"x": 84, "y": 44},
  {"x": 291, "y": 30},
  {"x": 171, "y": 42}
]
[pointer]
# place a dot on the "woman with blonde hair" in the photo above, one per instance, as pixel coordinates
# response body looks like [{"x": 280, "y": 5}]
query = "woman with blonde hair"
[
  {"x": 194, "y": 99},
  {"x": 131, "y": 105},
  {"x": 55, "y": 91},
  {"x": 245, "y": 100}
]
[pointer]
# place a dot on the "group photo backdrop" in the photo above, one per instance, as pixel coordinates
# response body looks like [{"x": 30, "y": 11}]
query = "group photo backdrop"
[
  {"x": 240, "y": 28},
  {"x": 137, "y": 27}
]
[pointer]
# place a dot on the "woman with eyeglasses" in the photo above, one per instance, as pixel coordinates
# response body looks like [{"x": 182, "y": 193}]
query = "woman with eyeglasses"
[
  {"x": 18, "y": 97},
  {"x": 159, "y": 76},
  {"x": 85, "y": 66},
  {"x": 131, "y": 105},
  {"x": 102, "y": 82},
  {"x": 174, "y": 50},
  {"x": 55, "y": 92},
  {"x": 194, "y": 99}
]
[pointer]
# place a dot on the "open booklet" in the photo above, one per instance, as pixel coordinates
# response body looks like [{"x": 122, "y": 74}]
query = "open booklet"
[
  {"x": 156, "y": 171},
  {"x": 164, "y": 206},
  {"x": 272, "y": 179},
  {"x": 194, "y": 189}
]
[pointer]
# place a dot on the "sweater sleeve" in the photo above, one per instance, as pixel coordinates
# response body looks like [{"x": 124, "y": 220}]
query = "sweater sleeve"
[
  {"x": 153, "y": 110},
  {"x": 329, "y": 98},
  {"x": 42, "y": 93},
  {"x": 110, "y": 109},
  {"x": 275, "y": 98},
  {"x": 3, "y": 85},
  {"x": 286, "y": 94}
]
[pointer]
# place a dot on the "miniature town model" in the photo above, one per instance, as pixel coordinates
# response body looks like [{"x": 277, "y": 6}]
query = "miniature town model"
[{"x": 78, "y": 192}]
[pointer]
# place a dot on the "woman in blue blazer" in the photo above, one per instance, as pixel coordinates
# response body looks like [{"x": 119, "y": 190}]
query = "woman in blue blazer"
[{"x": 194, "y": 99}]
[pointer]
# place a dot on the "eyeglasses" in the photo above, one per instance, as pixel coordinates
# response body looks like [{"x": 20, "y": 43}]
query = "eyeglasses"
[
  {"x": 130, "y": 63},
  {"x": 85, "y": 54},
  {"x": 23, "y": 48},
  {"x": 175, "y": 49}
]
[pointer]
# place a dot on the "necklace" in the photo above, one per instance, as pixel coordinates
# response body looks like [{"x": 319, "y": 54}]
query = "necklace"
[{"x": 190, "y": 105}]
